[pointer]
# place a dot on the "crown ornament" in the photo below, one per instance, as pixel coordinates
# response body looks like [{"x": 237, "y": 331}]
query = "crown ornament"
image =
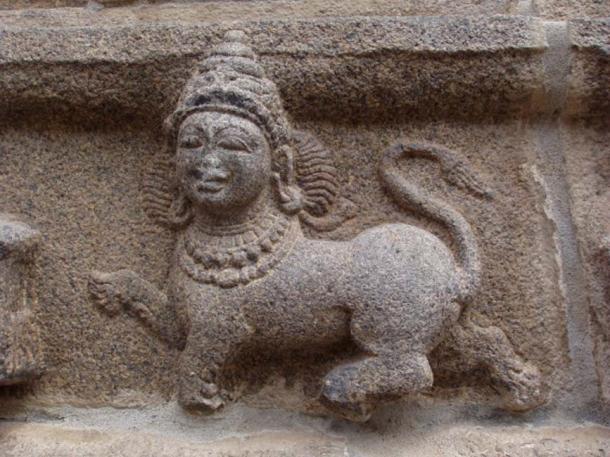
[{"x": 231, "y": 80}]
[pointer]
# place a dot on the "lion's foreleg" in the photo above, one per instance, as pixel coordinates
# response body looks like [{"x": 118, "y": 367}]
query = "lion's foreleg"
[
  {"x": 124, "y": 290},
  {"x": 214, "y": 341}
]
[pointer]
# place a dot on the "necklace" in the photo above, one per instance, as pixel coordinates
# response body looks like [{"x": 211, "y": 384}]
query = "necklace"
[{"x": 239, "y": 254}]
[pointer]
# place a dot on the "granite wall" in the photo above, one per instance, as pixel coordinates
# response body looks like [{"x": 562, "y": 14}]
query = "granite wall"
[{"x": 518, "y": 88}]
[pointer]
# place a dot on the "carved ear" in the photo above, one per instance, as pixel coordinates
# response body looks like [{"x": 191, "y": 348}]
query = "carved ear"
[
  {"x": 180, "y": 211},
  {"x": 316, "y": 174},
  {"x": 316, "y": 177},
  {"x": 290, "y": 194},
  {"x": 344, "y": 210}
]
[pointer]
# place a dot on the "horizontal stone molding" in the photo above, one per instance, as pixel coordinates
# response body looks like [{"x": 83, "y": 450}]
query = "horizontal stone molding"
[
  {"x": 45, "y": 439},
  {"x": 206, "y": 10},
  {"x": 132, "y": 43},
  {"x": 363, "y": 68},
  {"x": 347, "y": 67}
]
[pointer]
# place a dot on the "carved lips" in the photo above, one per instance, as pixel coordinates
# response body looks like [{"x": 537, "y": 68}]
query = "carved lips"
[{"x": 214, "y": 182}]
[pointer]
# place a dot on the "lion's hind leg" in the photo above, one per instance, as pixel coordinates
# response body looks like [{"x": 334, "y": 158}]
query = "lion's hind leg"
[
  {"x": 489, "y": 346},
  {"x": 352, "y": 390}
]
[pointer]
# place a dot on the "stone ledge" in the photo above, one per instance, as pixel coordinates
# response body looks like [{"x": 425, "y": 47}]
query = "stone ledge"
[
  {"x": 133, "y": 43},
  {"x": 42, "y": 440},
  {"x": 36, "y": 440},
  {"x": 566, "y": 9},
  {"x": 341, "y": 67},
  {"x": 590, "y": 35},
  {"x": 237, "y": 9}
]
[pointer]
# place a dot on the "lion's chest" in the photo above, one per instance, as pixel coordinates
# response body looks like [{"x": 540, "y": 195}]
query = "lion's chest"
[{"x": 301, "y": 301}]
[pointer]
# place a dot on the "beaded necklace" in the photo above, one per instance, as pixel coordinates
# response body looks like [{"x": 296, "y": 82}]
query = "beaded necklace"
[{"x": 239, "y": 254}]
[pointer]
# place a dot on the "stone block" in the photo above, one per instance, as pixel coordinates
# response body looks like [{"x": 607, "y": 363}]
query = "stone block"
[
  {"x": 38, "y": 440},
  {"x": 569, "y": 9},
  {"x": 381, "y": 68},
  {"x": 589, "y": 78},
  {"x": 390, "y": 213},
  {"x": 236, "y": 10},
  {"x": 89, "y": 202},
  {"x": 20, "y": 351}
]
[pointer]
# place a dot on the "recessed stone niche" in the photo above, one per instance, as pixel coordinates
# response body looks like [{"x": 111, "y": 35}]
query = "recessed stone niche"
[{"x": 286, "y": 228}]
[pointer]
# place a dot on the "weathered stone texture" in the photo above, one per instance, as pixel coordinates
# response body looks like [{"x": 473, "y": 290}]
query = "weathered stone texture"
[
  {"x": 567, "y": 9},
  {"x": 325, "y": 68},
  {"x": 37, "y": 440},
  {"x": 82, "y": 190},
  {"x": 21, "y": 357},
  {"x": 41, "y": 441},
  {"x": 88, "y": 202},
  {"x": 588, "y": 164},
  {"x": 233, "y": 10},
  {"x": 589, "y": 78},
  {"x": 518, "y": 89}
]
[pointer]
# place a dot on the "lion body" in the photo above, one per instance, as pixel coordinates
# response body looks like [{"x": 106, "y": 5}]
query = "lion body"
[{"x": 390, "y": 290}]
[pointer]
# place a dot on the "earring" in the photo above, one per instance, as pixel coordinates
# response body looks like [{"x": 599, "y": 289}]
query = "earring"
[
  {"x": 291, "y": 196},
  {"x": 180, "y": 212}
]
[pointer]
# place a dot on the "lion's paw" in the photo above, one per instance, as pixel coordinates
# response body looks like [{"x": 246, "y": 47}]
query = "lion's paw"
[
  {"x": 201, "y": 396},
  {"x": 524, "y": 389}
]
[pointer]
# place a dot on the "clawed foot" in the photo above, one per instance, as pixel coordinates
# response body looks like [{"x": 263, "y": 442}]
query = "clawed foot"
[
  {"x": 199, "y": 396},
  {"x": 353, "y": 390},
  {"x": 112, "y": 292},
  {"x": 337, "y": 397},
  {"x": 524, "y": 389},
  {"x": 105, "y": 292}
]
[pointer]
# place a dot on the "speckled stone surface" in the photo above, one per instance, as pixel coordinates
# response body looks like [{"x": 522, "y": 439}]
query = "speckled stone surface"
[
  {"x": 21, "y": 355},
  {"x": 589, "y": 78},
  {"x": 245, "y": 282},
  {"x": 326, "y": 68},
  {"x": 589, "y": 172},
  {"x": 520, "y": 98},
  {"x": 75, "y": 432},
  {"x": 93, "y": 220}
]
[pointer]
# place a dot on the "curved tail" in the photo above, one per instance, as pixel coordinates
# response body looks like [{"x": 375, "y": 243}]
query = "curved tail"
[{"x": 409, "y": 196}]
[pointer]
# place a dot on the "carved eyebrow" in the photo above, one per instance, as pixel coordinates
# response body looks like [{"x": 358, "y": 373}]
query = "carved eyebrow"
[
  {"x": 233, "y": 127},
  {"x": 190, "y": 127}
]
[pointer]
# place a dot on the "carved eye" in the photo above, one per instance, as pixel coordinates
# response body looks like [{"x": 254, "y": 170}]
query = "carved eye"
[
  {"x": 190, "y": 141},
  {"x": 234, "y": 144}
]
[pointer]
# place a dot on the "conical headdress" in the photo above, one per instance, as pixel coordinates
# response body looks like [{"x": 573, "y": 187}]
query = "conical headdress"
[{"x": 231, "y": 80}]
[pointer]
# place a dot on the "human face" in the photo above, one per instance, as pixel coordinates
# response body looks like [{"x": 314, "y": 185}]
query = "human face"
[{"x": 223, "y": 161}]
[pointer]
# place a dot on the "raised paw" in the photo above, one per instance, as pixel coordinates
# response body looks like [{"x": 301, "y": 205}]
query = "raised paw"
[
  {"x": 105, "y": 293},
  {"x": 110, "y": 291}
]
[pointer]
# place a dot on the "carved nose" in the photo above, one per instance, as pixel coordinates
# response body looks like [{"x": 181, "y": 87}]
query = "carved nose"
[{"x": 210, "y": 160}]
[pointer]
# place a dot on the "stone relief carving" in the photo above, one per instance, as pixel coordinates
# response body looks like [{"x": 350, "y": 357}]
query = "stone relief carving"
[
  {"x": 20, "y": 352},
  {"x": 244, "y": 277}
]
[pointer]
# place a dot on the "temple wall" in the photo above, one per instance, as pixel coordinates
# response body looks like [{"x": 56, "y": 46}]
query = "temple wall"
[{"x": 518, "y": 89}]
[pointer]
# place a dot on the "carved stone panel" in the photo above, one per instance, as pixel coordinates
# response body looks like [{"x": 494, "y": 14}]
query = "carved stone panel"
[
  {"x": 245, "y": 279},
  {"x": 290, "y": 228},
  {"x": 20, "y": 352}
]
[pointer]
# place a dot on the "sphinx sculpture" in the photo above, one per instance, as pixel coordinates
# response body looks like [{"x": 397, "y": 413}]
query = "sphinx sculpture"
[
  {"x": 21, "y": 358},
  {"x": 244, "y": 276}
]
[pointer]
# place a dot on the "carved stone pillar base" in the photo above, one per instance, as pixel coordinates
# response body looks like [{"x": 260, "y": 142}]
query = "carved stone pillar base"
[{"x": 20, "y": 354}]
